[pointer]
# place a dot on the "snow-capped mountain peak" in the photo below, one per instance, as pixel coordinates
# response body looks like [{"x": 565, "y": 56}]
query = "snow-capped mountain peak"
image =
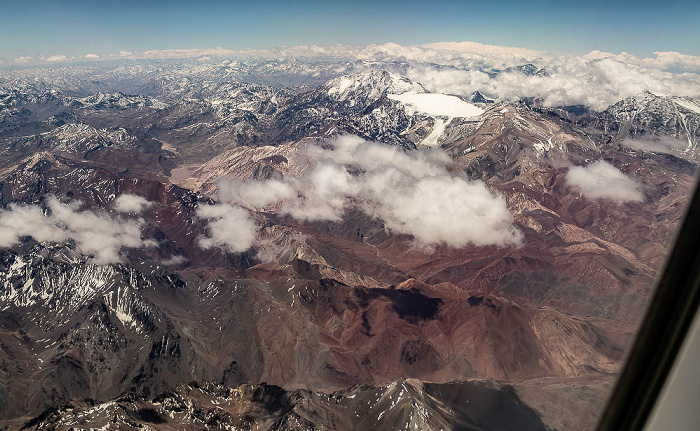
[
  {"x": 370, "y": 85},
  {"x": 121, "y": 101},
  {"x": 650, "y": 114}
]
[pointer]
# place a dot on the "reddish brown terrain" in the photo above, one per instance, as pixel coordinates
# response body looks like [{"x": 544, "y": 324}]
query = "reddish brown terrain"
[{"x": 339, "y": 323}]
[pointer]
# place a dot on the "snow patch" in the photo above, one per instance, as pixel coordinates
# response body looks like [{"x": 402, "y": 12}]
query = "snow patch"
[
  {"x": 689, "y": 105},
  {"x": 438, "y": 129},
  {"x": 438, "y": 104}
]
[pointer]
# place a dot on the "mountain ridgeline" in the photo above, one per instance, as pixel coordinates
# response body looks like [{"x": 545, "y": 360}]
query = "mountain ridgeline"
[{"x": 122, "y": 303}]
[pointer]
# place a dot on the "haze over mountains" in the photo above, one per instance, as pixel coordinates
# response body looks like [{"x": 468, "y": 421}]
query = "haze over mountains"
[{"x": 325, "y": 243}]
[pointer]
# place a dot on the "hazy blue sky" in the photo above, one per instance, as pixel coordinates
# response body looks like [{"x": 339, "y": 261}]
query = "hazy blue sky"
[{"x": 75, "y": 27}]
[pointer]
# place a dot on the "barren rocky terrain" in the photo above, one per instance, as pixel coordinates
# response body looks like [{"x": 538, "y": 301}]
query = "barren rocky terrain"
[{"x": 128, "y": 301}]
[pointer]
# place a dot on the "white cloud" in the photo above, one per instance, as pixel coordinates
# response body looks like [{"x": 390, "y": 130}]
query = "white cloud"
[
  {"x": 256, "y": 194},
  {"x": 511, "y": 56},
  {"x": 20, "y": 221},
  {"x": 596, "y": 82},
  {"x": 123, "y": 53},
  {"x": 468, "y": 47},
  {"x": 674, "y": 59},
  {"x": 23, "y": 59},
  {"x": 128, "y": 203},
  {"x": 174, "y": 260},
  {"x": 230, "y": 227},
  {"x": 324, "y": 195},
  {"x": 601, "y": 180},
  {"x": 597, "y": 79},
  {"x": 95, "y": 233},
  {"x": 92, "y": 56},
  {"x": 657, "y": 144},
  {"x": 451, "y": 81},
  {"x": 663, "y": 60},
  {"x": 412, "y": 193},
  {"x": 446, "y": 210},
  {"x": 55, "y": 58}
]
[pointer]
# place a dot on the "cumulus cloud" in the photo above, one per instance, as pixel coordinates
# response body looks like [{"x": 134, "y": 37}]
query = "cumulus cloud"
[
  {"x": 23, "y": 59},
  {"x": 229, "y": 227},
  {"x": 594, "y": 82},
  {"x": 95, "y": 233},
  {"x": 657, "y": 144},
  {"x": 92, "y": 56},
  {"x": 55, "y": 58},
  {"x": 452, "y": 81},
  {"x": 21, "y": 221},
  {"x": 671, "y": 59},
  {"x": 601, "y": 180},
  {"x": 597, "y": 79},
  {"x": 123, "y": 53},
  {"x": 256, "y": 194},
  {"x": 174, "y": 260},
  {"x": 663, "y": 59},
  {"x": 467, "y": 55},
  {"x": 411, "y": 193},
  {"x": 483, "y": 49},
  {"x": 128, "y": 203}
]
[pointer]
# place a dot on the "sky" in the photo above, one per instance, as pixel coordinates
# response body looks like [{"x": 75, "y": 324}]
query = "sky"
[{"x": 73, "y": 28}]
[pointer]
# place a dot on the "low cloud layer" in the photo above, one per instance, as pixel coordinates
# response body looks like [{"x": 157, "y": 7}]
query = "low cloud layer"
[
  {"x": 411, "y": 193},
  {"x": 597, "y": 83},
  {"x": 229, "y": 227},
  {"x": 597, "y": 79},
  {"x": 95, "y": 233},
  {"x": 601, "y": 180},
  {"x": 55, "y": 58},
  {"x": 657, "y": 144},
  {"x": 128, "y": 203}
]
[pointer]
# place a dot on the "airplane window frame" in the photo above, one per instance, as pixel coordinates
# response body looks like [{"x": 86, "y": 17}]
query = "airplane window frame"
[{"x": 661, "y": 335}]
